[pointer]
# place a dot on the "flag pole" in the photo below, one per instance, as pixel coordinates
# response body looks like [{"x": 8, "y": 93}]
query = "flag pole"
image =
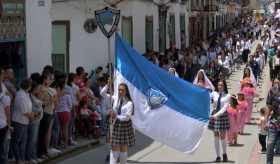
[
  {"x": 111, "y": 121},
  {"x": 101, "y": 18}
]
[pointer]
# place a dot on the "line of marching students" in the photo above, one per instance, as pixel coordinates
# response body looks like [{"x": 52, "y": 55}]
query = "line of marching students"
[{"x": 230, "y": 113}]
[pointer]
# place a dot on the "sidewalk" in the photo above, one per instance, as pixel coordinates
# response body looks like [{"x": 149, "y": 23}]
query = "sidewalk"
[{"x": 83, "y": 145}]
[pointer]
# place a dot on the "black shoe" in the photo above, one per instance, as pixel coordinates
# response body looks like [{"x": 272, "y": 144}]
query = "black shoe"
[
  {"x": 218, "y": 159},
  {"x": 225, "y": 158}
]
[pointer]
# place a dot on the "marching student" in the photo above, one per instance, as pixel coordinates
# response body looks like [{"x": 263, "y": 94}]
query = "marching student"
[
  {"x": 242, "y": 109},
  {"x": 233, "y": 122},
  {"x": 250, "y": 92},
  {"x": 202, "y": 80},
  {"x": 123, "y": 133},
  {"x": 219, "y": 121}
]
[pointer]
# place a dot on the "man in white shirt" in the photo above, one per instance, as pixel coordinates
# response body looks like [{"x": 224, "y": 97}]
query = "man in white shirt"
[
  {"x": 224, "y": 62},
  {"x": 246, "y": 50},
  {"x": 211, "y": 54},
  {"x": 5, "y": 102},
  {"x": 203, "y": 60}
]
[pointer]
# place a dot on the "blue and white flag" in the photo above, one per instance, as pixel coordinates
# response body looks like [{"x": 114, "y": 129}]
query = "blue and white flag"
[{"x": 166, "y": 108}]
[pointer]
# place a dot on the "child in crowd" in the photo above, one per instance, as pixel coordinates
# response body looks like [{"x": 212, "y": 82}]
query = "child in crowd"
[
  {"x": 242, "y": 109},
  {"x": 232, "y": 113},
  {"x": 63, "y": 109},
  {"x": 262, "y": 131},
  {"x": 85, "y": 118}
]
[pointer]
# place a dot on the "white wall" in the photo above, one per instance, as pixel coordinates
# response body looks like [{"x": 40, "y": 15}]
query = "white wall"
[
  {"x": 139, "y": 10},
  {"x": 38, "y": 35},
  {"x": 87, "y": 50}
]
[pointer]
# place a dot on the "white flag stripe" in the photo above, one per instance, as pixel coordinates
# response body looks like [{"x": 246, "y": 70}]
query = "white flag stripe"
[{"x": 164, "y": 124}]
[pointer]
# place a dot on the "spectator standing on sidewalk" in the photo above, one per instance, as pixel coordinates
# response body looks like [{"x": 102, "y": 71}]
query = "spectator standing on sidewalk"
[
  {"x": 262, "y": 131},
  {"x": 276, "y": 64},
  {"x": 33, "y": 127},
  {"x": 9, "y": 80},
  {"x": 5, "y": 122},
  {"x": 63, "y": 109},
  {"x": 73, "y": 90},
  {"x": 49, "y": 99},
  {"x": 271, "y": 54},
  {"x": 22, "y": 115},
  {"x": 273, "y": 115}
]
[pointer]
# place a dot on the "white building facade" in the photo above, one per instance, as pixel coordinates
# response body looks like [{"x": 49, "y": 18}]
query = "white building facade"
[{"x": 55, "y": 33}]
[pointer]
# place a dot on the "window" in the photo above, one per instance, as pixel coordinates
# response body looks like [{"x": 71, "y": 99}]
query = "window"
[
  {"x": 149, "y": 33},
  {"x": 127, "y": 29}
]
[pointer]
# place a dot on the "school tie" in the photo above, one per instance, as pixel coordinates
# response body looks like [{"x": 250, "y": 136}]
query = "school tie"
[
  {"x": 120, "y": 107},
  {"x": 219, "y": 103}
]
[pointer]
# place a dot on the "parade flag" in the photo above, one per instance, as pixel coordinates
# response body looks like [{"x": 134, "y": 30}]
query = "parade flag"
[{"x": 166, "y": 108}]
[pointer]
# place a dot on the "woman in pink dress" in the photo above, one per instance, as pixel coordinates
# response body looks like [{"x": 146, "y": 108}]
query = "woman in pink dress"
[
  {"x": 242, "y": 109},
  {"x": 248, "y": 75},
  {"x": 250, "y": 92},
  {"x": 233, "y": 122},
  {"x": 203, "y": 81}
]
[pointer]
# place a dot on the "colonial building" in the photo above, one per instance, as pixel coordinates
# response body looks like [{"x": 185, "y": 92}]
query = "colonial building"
[
  {"x": 207, "y": 16},
  {"x": 56, "y": 33},
  {"x": 63, "y": 33}
]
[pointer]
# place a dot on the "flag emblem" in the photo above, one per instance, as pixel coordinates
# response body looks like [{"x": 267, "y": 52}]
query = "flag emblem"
[{"x": 156, "y": 98}]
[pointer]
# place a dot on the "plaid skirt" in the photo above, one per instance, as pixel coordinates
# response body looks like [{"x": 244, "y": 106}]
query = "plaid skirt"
[
  {"x": 220, "y": 124},
  {"x": 123, "y": 134}
]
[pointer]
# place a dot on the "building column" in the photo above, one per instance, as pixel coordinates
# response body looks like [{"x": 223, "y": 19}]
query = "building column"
[
  {"x": 177, "y": 25},
  {"x": 38, "y": 34}
]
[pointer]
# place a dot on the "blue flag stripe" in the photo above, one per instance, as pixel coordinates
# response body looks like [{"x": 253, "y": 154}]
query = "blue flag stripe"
[{"x": 183, "y": 97}]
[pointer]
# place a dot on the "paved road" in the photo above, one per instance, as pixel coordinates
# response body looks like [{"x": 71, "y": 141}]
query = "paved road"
[{"x": 148, "y": 151}]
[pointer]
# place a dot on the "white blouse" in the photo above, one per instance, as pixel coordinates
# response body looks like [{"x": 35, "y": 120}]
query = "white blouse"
[
  {"x": 225, "y": 100},
  {"x": 126, "y": 109},
  {"x": 22, "y": 105}
]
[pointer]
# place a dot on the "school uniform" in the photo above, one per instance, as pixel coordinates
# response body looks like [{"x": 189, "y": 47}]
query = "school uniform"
[
  {"x": 219, "y": 111},
  {"x": 123, "y": 132}
]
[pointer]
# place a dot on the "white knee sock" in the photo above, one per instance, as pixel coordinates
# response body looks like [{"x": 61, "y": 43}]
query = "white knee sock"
[
  {"x": 217, "y": 146},
  {"x": 224, "y": 146},
  {"x": 123, "y": 157},
  {"x": 114, "y": 156}
]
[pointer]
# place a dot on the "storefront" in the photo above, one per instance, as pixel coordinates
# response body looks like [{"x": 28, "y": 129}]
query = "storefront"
[{"x": 12, "y": 36}]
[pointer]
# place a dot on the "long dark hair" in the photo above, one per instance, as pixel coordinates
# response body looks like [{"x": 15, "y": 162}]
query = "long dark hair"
[
  {"x": 127, "y": 91},
  {"x": 225, "y": 86},
  {"x": 127, "y": 95},
  {"x": 244, "y": 75},
  {"x": 70, "y": 79},
  {"x": 233, "y": 102}
]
